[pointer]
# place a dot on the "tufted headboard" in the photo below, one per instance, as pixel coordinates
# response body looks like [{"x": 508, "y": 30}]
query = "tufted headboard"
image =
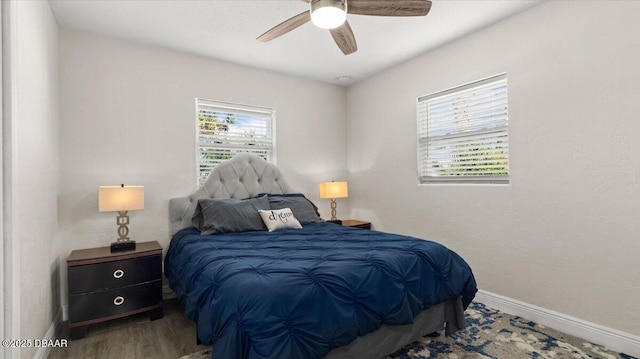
[{"x": 244, "y": 176}]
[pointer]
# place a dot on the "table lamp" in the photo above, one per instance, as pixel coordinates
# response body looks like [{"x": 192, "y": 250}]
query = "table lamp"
[
  {"x": 334, "y": 190},
  {"x": 121, "y": 199}
]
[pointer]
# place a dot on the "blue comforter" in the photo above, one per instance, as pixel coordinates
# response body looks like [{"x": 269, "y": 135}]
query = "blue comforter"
[{"x": 298, "y": 293}]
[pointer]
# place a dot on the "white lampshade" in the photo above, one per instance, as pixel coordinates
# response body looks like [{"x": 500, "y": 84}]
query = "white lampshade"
[
  {"x": 120, "y": 198},
  {"x": 334, "y": 190},
  {"x": 328, "y": 14}
]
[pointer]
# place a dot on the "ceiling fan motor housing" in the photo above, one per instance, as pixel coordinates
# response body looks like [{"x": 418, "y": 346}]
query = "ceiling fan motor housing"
[{"x": 328, "y": 14}]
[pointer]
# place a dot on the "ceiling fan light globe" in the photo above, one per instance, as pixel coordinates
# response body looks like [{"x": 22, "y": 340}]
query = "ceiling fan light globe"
[{"x": 328, "y": 14}]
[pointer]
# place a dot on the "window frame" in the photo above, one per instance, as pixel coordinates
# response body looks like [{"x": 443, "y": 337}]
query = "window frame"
[
  {"x": 423, "y": 137},
  {"x": 233, "y": 108}
]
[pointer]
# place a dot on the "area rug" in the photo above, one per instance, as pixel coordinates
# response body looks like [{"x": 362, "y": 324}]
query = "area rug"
[{"x": 490, "y": 333}]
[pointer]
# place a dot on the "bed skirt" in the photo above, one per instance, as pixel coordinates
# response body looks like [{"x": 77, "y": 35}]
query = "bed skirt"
[{"x": 390, "y": 338}]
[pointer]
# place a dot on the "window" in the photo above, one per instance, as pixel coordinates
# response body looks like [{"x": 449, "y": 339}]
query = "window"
[
  {"x": 225, "y": 129},
  {"x": 462, "y": 133}
]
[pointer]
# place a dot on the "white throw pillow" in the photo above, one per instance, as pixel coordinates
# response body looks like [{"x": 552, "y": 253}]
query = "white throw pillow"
[{"x": 276, "y": 219}]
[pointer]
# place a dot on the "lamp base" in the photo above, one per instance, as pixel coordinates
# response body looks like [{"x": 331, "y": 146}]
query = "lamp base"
[
  {"x": 123, "y": 246},
  {"x": 336, "y": 221}
]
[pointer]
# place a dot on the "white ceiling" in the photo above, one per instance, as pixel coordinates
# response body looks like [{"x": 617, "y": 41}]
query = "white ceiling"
[{"x": 227, "y": 30}]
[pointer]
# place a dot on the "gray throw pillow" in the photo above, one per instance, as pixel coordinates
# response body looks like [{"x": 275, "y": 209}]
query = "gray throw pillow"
[
  {"x": 229, "y": 215},
  {"x": 303, "y": 209}
]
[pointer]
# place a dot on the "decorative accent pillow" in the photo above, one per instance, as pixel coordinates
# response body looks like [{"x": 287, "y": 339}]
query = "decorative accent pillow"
[
  {"x": 229, "y": 215},
  {"x": 304, "y": 210},
  {"x": 276, "y": 219}
]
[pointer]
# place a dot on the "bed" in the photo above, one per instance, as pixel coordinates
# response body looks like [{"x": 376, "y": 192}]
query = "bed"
[{"x": 320, "y": 291}]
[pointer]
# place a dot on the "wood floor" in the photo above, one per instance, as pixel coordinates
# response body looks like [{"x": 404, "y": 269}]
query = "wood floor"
[{"x": 135, "y": 337}]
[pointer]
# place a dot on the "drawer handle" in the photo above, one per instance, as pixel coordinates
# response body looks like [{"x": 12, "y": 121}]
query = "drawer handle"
[
  {"x": 118, "y": 300},
  {"x": 118, "y": 273}
]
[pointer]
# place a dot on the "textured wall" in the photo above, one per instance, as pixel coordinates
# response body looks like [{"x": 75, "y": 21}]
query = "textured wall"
[
  {"x": 564, "y": 234},
  {"x": 127, "y": 115},
  {"x": 37, "y": 157}
]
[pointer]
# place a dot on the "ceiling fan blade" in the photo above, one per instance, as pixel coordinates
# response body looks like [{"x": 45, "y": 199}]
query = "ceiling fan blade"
[
  {"x": 285, "y": 27},
  {"x": 343, "y": 36},
  {"x": 389, "y": 7}
]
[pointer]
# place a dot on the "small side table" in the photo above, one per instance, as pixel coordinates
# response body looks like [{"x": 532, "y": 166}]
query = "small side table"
[
  {"x": 104, "y": 285},
  {"x": 356, "y": 224}
]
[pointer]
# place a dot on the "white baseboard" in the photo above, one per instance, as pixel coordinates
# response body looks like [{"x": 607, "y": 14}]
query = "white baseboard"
[
  {"x": 598, "y": 334},
  {"x": 51, "y": 334},
  {"x": 167, "y": 293}
]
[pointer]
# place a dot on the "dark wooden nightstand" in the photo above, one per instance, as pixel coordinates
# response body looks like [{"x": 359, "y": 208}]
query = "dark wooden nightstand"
[
  {"x": 356, "y": 224},
  {"x": 105, "y": 285}
]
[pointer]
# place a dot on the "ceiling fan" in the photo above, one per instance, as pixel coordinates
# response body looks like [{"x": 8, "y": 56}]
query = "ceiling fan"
[{"x": 332, "y": 15}]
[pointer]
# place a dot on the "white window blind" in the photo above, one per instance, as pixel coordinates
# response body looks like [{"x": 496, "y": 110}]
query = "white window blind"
[
  {"x": 463, "y": 133},
  {"x": 225, "y": 129}
]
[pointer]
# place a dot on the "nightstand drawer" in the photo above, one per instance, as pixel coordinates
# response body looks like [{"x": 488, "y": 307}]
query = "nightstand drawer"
[
  {"x": 93, "y": 277},
  {"x": 112, "y": 302}
]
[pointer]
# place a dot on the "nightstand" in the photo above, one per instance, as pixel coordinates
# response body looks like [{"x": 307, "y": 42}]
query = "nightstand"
[
  {"x": 356, "y": 224},
  {"x": 105, "y": 285}
]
